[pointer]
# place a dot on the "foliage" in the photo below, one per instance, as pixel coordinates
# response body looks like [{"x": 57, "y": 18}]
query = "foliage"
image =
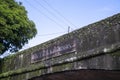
[{"x": 15, "y": 27}]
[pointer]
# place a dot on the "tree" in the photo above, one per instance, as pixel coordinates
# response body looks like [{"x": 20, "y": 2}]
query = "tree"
[{"x": 15, "y": 27}]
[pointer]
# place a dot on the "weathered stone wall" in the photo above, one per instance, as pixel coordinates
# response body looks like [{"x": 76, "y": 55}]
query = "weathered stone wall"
[
  {"x": 67, "y": 62},
  {"x": 97, "y": 47},
  {"x": 83, "y": 74}
]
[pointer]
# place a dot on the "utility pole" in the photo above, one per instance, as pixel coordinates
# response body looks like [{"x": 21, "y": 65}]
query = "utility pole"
[{"x": 68, "y": 29}]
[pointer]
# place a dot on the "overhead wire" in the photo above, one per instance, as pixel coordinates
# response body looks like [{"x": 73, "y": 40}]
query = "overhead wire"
[
  {"x": 34, "y": 7},
  {"x": 51, "y": 34},
  {"x": 60, "y": 14},
  {"x": 45, "y": 15},
  {"x": 51, "y": 12}
]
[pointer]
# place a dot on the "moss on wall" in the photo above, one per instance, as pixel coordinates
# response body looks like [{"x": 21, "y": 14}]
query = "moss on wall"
[{"x": 94, "y": 39}]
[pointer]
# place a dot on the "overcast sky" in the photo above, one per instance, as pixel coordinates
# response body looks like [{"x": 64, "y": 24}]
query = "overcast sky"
[{"x": 52, "y": 17}]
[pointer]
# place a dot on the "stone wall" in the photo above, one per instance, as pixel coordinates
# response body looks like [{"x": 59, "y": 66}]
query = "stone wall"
[
  {"x": 97, "y": 47},
  {"x": 81, "y": 75}
]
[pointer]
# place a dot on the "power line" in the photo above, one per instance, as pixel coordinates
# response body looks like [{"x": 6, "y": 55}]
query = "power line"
[
  {"x": 45, "y": 15},
  {"x": 50, "y": 12},
  {"x": 60, "y": 14},
  {"x": 50, "y": 34}
]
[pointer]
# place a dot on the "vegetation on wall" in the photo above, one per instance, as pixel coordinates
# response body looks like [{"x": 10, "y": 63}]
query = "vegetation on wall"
[{"x": 105, "y": 31}]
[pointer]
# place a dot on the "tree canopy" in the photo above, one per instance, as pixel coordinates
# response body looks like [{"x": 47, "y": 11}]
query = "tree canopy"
[{"x": 15, "y": 27}]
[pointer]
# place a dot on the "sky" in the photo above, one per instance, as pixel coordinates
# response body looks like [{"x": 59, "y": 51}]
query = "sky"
[{"x": 53, "y": 17}]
